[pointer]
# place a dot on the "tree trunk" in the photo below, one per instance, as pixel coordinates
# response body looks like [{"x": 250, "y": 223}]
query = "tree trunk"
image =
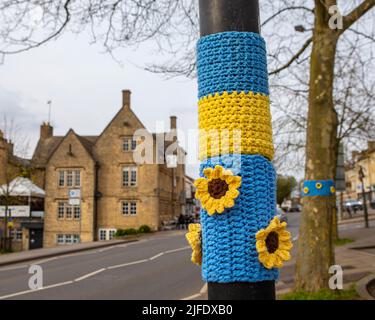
[{"x": 315, "y": 248}]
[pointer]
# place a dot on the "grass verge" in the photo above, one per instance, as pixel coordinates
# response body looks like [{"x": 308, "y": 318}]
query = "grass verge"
[
  {"x": 343, "y": 241},
  {"x": 324, "y": 294}
]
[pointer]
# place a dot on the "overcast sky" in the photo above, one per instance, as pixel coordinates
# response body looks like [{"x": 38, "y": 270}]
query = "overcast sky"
[{"x": 85, "y": 88}]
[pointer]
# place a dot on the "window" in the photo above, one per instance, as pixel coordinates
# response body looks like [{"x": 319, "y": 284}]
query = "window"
[
  {"x": 133, "y": 180},
  {"x": 60, "y": 239},
  {"x": 68, "y": 212},
  {"x": 106, "y": 234},
  {"x": 111, "y": 234},
  {"x": 69, "y": 178},
  {"x": 133, "y": 208},
  {"x": 129, "y": 144},
  {"x": 102, "y": 234},
  {"x": 77, "y": 178},
  {"x": 68, "y": 238},
  {"x": 129, "y": 208},
  {"x": 61, "y": 210},
  {"x": 76, "y": 238},
  {"x": 61, "y": 178},
  {"x": 77, "y": 212},
  {"x": 125, "y": 208},
  {"x": 16, "y": 234},
  {"x": 129, "y": 176}
]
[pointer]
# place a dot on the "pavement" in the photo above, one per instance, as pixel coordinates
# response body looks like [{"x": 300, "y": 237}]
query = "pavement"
[{"x": 357, "y": 259}]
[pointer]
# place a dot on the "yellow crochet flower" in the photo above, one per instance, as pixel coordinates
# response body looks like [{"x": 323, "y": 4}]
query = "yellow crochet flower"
[
  {"x": 273, "y": 244},
  {"x": 195, "y": 240},
  {"x": 218, "y": 190}
]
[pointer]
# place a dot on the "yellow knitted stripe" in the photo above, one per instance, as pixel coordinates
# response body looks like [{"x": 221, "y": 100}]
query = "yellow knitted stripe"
[{"x": 235, "y": 123}]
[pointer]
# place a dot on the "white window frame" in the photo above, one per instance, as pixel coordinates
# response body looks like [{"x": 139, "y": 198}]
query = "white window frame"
[
  {"x": 16, "y": 234},
  {"x": 61, "y": 181},
  {"x": 129, "y": 176},
  {"x": 133, "y": 208},
  {"x": 129, "y": 144},
  {"x": 61, "y": 205},
  {"x": 76, "y": 212},
  {"x": 107, "y": 232},
  {"x": 69, "y": 178}
]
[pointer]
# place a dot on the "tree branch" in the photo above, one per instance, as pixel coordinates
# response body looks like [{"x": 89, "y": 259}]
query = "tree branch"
[
  {"x": 357, "y": 13},
  {"x": 286, "y": 9},
  {"x": 294, "y": 58}
]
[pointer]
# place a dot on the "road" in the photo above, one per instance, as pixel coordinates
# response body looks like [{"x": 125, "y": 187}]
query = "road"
[{"x": 157, "y": 267}]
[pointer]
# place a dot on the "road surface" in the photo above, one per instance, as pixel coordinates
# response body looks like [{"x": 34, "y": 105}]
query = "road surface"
[
  {"x": 157, "y": 267},
  {"x": 154, "y": 268}
]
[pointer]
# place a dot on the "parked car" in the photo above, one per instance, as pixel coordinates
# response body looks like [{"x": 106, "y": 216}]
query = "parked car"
[
  {"x": 295, "y": 208},
  {"x": 281, "y": 215},
  {"x": 353, "y": 205},
  {"x": 372, "y": 204}
]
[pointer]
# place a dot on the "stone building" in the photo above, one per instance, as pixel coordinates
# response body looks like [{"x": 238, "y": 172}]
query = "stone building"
[
  {"x": 116, "y": 192},
  {"x": 366, "y": 160}
]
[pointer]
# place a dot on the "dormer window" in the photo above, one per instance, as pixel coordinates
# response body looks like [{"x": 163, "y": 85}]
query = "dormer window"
[{"x": 129, "y": 144}]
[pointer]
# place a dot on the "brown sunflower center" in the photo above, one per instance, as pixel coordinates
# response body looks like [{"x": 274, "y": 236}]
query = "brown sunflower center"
[
  {"x": 272, "y": 242},
  {"x": 217, "y": 188}
]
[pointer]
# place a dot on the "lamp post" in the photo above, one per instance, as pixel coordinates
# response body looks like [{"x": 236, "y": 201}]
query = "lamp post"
[
  {"x": 240, "y": 236},
  {"x": 361, "y": 175}
]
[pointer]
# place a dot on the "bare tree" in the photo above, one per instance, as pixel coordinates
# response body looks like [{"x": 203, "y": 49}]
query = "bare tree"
[{"x": 12, "y": 166}]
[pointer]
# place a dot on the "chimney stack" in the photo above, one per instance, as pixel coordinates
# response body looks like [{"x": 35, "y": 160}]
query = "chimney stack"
[
  {"x": 173, "y": 123},
  {"x": 46, "y": 131},
  {"x": 126, "y": 98}
]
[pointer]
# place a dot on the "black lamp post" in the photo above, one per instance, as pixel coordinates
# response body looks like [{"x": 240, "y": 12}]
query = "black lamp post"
[{"x": 361, "y": 175}]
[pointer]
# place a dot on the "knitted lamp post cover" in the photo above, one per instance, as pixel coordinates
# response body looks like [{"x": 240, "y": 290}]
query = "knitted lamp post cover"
[{"x": 239, "y": 239}]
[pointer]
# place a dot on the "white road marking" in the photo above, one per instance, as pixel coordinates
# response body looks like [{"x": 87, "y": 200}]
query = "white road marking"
[
  {"x": 126, "y": 264},
  {"x": 36, "y": 290},
  {"x": 156, "y": 256},
  {"x": 201, "y": 292},
  {"x": 96, "y": 272},
  {"x": 176, "y": 250},
  {"x": 14, "y": 268},
  {"x": 89, "y": 275}
]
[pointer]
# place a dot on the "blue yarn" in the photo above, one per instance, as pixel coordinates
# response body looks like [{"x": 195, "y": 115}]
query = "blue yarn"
[
  {"x": 228, "y": 239},
  {"x": 232, "y": 61},
  {"x": 324, "y": 191}
]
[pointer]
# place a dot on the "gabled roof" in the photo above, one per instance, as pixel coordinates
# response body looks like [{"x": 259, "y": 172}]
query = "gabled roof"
[
  {"x": 44, "y": 150},
  {"x": 47, "y": 147}
]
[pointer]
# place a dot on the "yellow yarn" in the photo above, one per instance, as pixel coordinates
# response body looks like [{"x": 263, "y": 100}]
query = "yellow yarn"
[
  {"x": 235, "y": 123},
  {"x": 195, "y": 240}
]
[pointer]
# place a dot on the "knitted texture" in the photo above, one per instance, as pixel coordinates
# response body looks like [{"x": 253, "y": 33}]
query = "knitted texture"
[
  {"x": 229, "y": 252},
  {"x": 232, "y": 61},
  {"x": 312, "y": 188},
  {"x": 235, "y": 123}
]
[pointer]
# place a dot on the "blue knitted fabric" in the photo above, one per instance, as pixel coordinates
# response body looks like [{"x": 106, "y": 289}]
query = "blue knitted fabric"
[
  {"x": 310, "y": 189},
  {"x": 232, "y": 61},
  {"x": 229, "y": 252}
]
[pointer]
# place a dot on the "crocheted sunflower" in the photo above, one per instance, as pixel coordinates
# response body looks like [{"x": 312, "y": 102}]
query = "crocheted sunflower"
[
  {"x": 273, "y": 244},
  {"x": 195, "y": 240},
  {"x": 218, "y": 190}
]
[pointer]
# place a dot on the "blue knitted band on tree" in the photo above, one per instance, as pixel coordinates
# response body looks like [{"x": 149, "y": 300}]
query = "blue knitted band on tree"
[
  {"x": 229, "y": 251},
  {"x": 232, "y": 61},
  {"x": 312, "y": 188}
]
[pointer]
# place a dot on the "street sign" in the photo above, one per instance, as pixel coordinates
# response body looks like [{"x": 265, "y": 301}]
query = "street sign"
[
  {"x": 15, "y": 211},
  {"x": 74, "y": 202},
  {"x": 75, "y": 193}
]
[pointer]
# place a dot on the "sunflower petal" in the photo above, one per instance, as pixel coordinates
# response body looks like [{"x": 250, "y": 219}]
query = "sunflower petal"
[
  {"x": 208, "y": 172},
  {"x": 201, "y": 184},
  {"x": 217, "y": 173},
  {"x": 283, "y": 254},
  {"x": 261, "y": 246}
]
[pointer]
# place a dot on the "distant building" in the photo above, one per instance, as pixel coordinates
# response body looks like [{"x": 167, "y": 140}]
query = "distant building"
[
  {"x": 116, "y": 192},
  {"x": 366, "y": 159},
  {"x": 192, "y": 204}
]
